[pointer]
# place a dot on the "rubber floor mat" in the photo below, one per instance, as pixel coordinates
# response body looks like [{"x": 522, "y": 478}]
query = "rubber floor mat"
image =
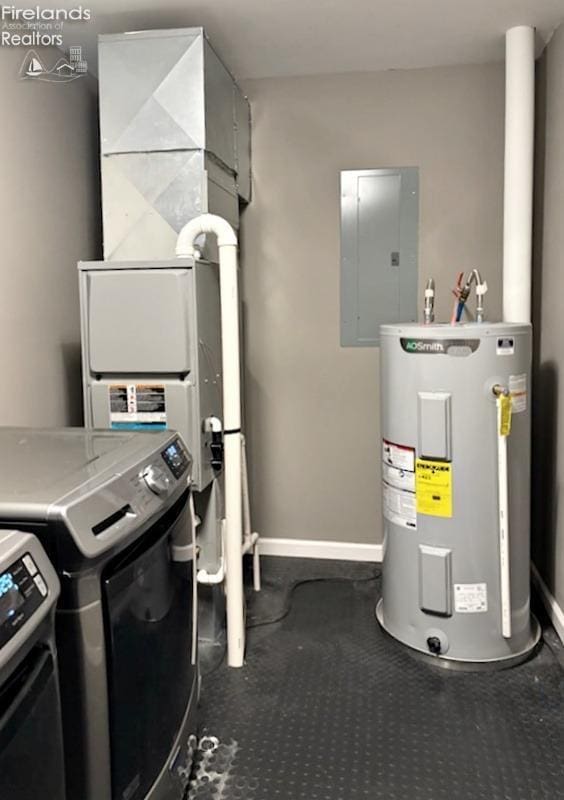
[{"x": 330, "y": 708}]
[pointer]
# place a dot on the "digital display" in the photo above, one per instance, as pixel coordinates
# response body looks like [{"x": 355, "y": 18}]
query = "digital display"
[
  {"x": 22, "y": 591},
  {"x": 6, "y": 583},
  {"x": 176, "y": 459},
  {"x": 11, "y": 598}
]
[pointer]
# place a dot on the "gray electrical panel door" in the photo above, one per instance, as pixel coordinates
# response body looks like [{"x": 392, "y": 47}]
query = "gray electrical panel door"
[{"x": 379, "y": 237}]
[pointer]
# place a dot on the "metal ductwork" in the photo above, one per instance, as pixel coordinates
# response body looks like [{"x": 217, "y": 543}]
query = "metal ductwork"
[{"x": 175, "y": 141}]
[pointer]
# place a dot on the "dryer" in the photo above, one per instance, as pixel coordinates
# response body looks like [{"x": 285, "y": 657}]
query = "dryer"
[
  {"x": 112, "y": 510},
  {"x": 31, "y": 743}
]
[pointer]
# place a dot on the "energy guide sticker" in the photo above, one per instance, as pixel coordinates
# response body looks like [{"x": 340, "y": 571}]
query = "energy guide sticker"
[{"x": 433, "y": 487}]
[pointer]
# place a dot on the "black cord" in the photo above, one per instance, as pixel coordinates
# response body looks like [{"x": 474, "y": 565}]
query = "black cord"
[
  {"x": 260, "y": 623},
  {"x": 285, "y": 611}
]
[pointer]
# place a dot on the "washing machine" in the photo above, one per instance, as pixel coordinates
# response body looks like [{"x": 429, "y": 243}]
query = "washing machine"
[
  {"x": 113, "y": 511},
  {"x": 31, "y": 741}
]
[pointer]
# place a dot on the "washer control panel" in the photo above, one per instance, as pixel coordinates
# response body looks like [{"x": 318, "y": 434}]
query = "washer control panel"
[
  {"x": 176, "y": 458},
  {"x": 22, "y": 591}
]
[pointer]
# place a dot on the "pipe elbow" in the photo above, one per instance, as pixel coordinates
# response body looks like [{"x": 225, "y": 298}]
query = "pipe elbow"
[
  {"x": 213, "y": 425},
  {"x": 205, "y": 223}
]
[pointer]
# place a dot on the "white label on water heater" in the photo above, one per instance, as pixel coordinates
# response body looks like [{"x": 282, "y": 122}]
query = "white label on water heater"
[
  {"x": 470, "y": 598},
  {"x": 505, "y": 346},
  {"x": 398, "y": 455},
  {"x": 398, "y": 478},
  {"x": 518, "y": 391},
  {"x": 399, "y": 506}
]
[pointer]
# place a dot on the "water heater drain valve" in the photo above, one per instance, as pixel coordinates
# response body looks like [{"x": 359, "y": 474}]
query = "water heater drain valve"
[{"x": 437, "y": 641}]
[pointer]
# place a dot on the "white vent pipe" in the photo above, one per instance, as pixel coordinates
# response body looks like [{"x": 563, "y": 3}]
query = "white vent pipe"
[
  {"x": 229, "y": 294},
  {"x": 518, "y": 181}
]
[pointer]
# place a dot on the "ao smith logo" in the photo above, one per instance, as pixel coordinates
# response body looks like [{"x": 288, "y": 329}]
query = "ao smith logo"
[
  {"x": 422, "y": 346},
  {"x": 440, "y": 346}
]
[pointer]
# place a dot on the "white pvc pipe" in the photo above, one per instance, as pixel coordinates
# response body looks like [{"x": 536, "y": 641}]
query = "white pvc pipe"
[
  {"x": 212, "y": 578},
  {"x": 518, "y": 179},
  {"x": 215, "y": 578},
  {"x": 249, "y": 543},
  {"x": 503, "y": 490},
  {"x": 250, "y": 539},
  {"x": 227, "y": 244}
]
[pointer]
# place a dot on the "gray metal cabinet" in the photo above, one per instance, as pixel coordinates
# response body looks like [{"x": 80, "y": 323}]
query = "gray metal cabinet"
[
  {"x": 174, "y": 137},
  {"x": 379, "y": 238},
  {"x": 151, "y": 349}
]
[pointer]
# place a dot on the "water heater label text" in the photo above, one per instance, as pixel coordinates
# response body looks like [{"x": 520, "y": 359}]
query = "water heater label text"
[{"x": 438, "y": 346}]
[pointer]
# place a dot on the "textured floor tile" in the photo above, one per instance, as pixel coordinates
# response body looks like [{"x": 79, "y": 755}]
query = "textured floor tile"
[{"x": 330, "y": 708}]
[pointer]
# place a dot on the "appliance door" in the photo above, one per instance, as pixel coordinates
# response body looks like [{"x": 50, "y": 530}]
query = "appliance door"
[
  {"x": 148, "y": 604},
  {"x": 31, "y": 742}
]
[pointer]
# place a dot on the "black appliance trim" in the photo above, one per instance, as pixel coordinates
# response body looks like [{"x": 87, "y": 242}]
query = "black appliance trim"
[
  {"x": 20, "y": 693},
  {"x": 106, "y": 523}
]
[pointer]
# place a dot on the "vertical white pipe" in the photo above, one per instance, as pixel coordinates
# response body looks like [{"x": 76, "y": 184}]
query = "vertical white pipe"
[
  {"x": 503, "y": 491},
  {"x": 229, "y": 297},
  {"x": 518, "y": 180},
  {"x": 229, "y": 294},
  {"x": 247, "y": 530},
  {"x": 247, "y": 527}
]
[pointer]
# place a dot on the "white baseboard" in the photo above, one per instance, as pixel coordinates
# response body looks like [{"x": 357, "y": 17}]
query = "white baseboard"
[
  {"x": 554, "y": 611},
  {"x": 311, "y": 548}
]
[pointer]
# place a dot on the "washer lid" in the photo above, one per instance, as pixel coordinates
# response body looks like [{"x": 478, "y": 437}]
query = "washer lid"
[{"x": 41, "y": 465}]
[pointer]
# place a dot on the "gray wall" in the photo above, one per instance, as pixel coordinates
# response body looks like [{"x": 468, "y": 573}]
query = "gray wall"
[
  {"x": 49, "y": 219},
  {"x": 312, "y": 406},
  {"x": 548, "y": 305}
]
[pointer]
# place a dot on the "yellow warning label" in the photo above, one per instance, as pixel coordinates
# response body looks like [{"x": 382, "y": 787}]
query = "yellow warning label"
[
  {"x": 506, "y": 406},
  {"x": 433, "y": 487}
]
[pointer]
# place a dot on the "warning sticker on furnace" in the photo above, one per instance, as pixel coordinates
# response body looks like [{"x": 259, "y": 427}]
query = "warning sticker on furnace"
[
  {"x": 470, "y": 598},
  {"x": 137, "y": 406},
  {"x": 433, "y": 487}
]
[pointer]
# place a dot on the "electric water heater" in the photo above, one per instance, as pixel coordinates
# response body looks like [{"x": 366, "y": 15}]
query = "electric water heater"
[{"x": 456, "y": 480}]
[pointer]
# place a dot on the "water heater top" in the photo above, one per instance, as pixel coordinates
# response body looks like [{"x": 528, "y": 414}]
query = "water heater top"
[{"x": 460, "y": 330}]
